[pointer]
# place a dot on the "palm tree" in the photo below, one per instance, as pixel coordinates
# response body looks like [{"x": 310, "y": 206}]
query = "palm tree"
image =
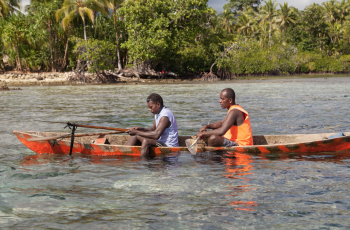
[
  {"x": 114, "y": 6},
  {"x": 3, "y": 8},
  {"x": 226, "y": 20},
  {"x": 268, "y": 13},
  {"x": 79, "y": 7},
  {"x": 14, "y": 33},
  {"x": 343, "y": 9},
  {"x": 67, "y": 27},
  {"x": 246, "y": 22},
  {"x": 330, "y": 11},
  {"x": 286, "y": 15},
  {"x": 335, "y": 32},
  {"x": 8, "y": 7},
  {"x": 43, "y": 11},
  {"x": 262, "y": 33},
  {"x": 346, "y": 34}
]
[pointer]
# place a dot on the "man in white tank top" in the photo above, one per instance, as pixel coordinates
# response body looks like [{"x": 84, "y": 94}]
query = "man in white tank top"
[{"x": 164, "y": 131}]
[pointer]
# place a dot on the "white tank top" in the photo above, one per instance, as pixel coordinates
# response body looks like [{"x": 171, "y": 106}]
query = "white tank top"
[{"x": 170, "y": 135}]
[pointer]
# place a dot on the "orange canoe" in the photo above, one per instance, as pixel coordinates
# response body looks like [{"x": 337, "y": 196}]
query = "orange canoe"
[{"x": 264, "y": 144}]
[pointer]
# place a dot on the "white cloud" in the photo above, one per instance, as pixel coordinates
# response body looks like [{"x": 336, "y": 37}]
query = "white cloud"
[
  {"x": 300, "y": 4},
  {"x": 25, "y": 2}
]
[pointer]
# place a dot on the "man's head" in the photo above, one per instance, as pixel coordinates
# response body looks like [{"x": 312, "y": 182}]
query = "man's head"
[
  {"x": 227, "y": 98},
  {"x": 155, "y": 103}
]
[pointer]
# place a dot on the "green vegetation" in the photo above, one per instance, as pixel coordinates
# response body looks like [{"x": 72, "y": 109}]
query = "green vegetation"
[{"x": 248, "y": 38}]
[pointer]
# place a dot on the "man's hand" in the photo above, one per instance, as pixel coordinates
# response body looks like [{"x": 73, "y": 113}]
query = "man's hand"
[
  {"x": 131, "y": 131},
  {"x": 200, "y": 135},
  {"x": 203, "y": 129}
]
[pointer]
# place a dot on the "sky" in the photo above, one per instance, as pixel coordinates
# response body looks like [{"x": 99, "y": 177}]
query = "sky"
[
  {"x": 218, "y": 4},
  {"x": 300, "y": 4}
]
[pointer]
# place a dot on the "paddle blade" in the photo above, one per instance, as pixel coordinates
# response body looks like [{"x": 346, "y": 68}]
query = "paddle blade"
[{"x": 190, "y": 146}]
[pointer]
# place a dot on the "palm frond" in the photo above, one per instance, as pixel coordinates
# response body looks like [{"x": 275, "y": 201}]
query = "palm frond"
[{"x": 90, "y": 14}]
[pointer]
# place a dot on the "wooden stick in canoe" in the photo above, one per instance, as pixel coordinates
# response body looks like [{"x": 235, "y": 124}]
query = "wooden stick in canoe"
[
  {"x": 100, "y": 127},
  {"x": 87, "y": 126},
  {"x": 68, "y": 135}
]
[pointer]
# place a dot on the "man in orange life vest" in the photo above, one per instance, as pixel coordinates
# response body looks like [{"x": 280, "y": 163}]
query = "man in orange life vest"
[{"x": 234, "y": 129}]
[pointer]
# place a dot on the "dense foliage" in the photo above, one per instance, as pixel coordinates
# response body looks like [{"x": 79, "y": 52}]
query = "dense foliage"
[{"x": 249, "y": 37}]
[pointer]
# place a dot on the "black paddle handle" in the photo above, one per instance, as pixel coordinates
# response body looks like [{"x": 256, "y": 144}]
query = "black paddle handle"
[{"x": 72, "y": 139}]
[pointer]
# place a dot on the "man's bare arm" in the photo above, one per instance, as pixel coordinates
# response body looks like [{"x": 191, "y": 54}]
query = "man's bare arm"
[
  {"x": 146, "y": 129},
  {"x": 153, "y": 134},
  {"x": 227, "y": 123},
  {"x": 214, "y": 125}
]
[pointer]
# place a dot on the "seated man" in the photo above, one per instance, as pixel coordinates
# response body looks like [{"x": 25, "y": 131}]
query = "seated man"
[
  {"x": 234, "y": 129},
  {"x": 163, "y": 132}
]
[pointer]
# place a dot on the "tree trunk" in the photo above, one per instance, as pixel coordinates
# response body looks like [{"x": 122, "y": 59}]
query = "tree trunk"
[
  {"x": 55, "y": 56},
  {"x": 125, "y": 58},
  {"x": 50, "y": 47},
  {"x": 65, "y": 52},
  {"x": 211, "y": 67},
  {"x": 2, "y": 64},
  {"x": 84, "y": 27},
  {"x": 79, "y": 61},
  {"x": 117, "y": 40},
  {"x": 270, "y": 35},
  {"x": 18, "y": 57}
]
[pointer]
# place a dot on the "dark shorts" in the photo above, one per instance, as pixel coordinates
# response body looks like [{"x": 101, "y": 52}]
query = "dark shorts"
[
  {"x": 229, "y": 143},
  {"x": 161, "y": 144}
]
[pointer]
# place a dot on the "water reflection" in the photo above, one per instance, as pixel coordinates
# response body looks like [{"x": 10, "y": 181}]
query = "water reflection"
[{"x": 238, "y": 166}]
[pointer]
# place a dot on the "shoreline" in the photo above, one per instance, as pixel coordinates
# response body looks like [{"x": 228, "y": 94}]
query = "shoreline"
[{"x": 61, "y": 79}]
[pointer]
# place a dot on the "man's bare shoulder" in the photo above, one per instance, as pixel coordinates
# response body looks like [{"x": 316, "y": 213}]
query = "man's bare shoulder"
[{"x": 234, "y": 112}]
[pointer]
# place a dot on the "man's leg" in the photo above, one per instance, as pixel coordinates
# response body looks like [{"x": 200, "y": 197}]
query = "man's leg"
[
  {"x": 215, "y": 141},
  {"x": 133, "y": 141},
  {"x": 146, "y": 144}
]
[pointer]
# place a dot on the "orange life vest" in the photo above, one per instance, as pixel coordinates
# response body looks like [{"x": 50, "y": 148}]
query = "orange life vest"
[{"x": 241, "y": 134}]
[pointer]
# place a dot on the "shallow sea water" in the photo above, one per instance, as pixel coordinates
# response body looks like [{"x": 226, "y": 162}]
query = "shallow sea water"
[{"x": 184, "y": 192}]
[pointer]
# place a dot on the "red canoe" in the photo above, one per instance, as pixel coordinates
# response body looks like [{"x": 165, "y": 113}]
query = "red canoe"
[{"x": 264, "y": 144}]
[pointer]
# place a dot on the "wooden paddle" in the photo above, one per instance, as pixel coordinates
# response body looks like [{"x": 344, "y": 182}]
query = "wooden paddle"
[
  {"x": 86, "y": 126},
  {"x": 69, "y": 134},
  {"x": 192, "y": 145}
]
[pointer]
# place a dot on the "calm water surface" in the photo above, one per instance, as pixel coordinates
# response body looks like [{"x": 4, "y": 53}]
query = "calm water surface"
[{"x": 202, "y": 192}]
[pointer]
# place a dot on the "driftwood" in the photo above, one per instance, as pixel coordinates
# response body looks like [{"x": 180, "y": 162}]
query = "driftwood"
[
  {"x": 124, "y": 76},
  {"x": 108, "y": 76},
  {"x": 209, "y": 77},
  {"x": 5, "y": 88},
  {"x": 144, "y": 73},
  {"x": 131, "y": 74}
]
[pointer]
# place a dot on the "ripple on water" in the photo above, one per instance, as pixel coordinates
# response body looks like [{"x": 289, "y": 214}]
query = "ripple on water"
[{"x": 187, "y": 192}]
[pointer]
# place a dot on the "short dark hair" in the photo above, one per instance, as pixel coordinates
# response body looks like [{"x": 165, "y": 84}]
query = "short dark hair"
[
  {"x": 155, "y": 98},
  {"x": 230, "y": 93}
]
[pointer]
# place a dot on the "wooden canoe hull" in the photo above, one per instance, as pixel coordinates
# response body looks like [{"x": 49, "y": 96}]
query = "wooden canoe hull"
[
  {"x": 261, "y": 145},
  {"x": 63, "y": 147}
]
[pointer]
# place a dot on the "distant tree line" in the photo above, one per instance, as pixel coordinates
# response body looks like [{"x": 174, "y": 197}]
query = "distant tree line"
[{"x": 248, "y": 37}]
